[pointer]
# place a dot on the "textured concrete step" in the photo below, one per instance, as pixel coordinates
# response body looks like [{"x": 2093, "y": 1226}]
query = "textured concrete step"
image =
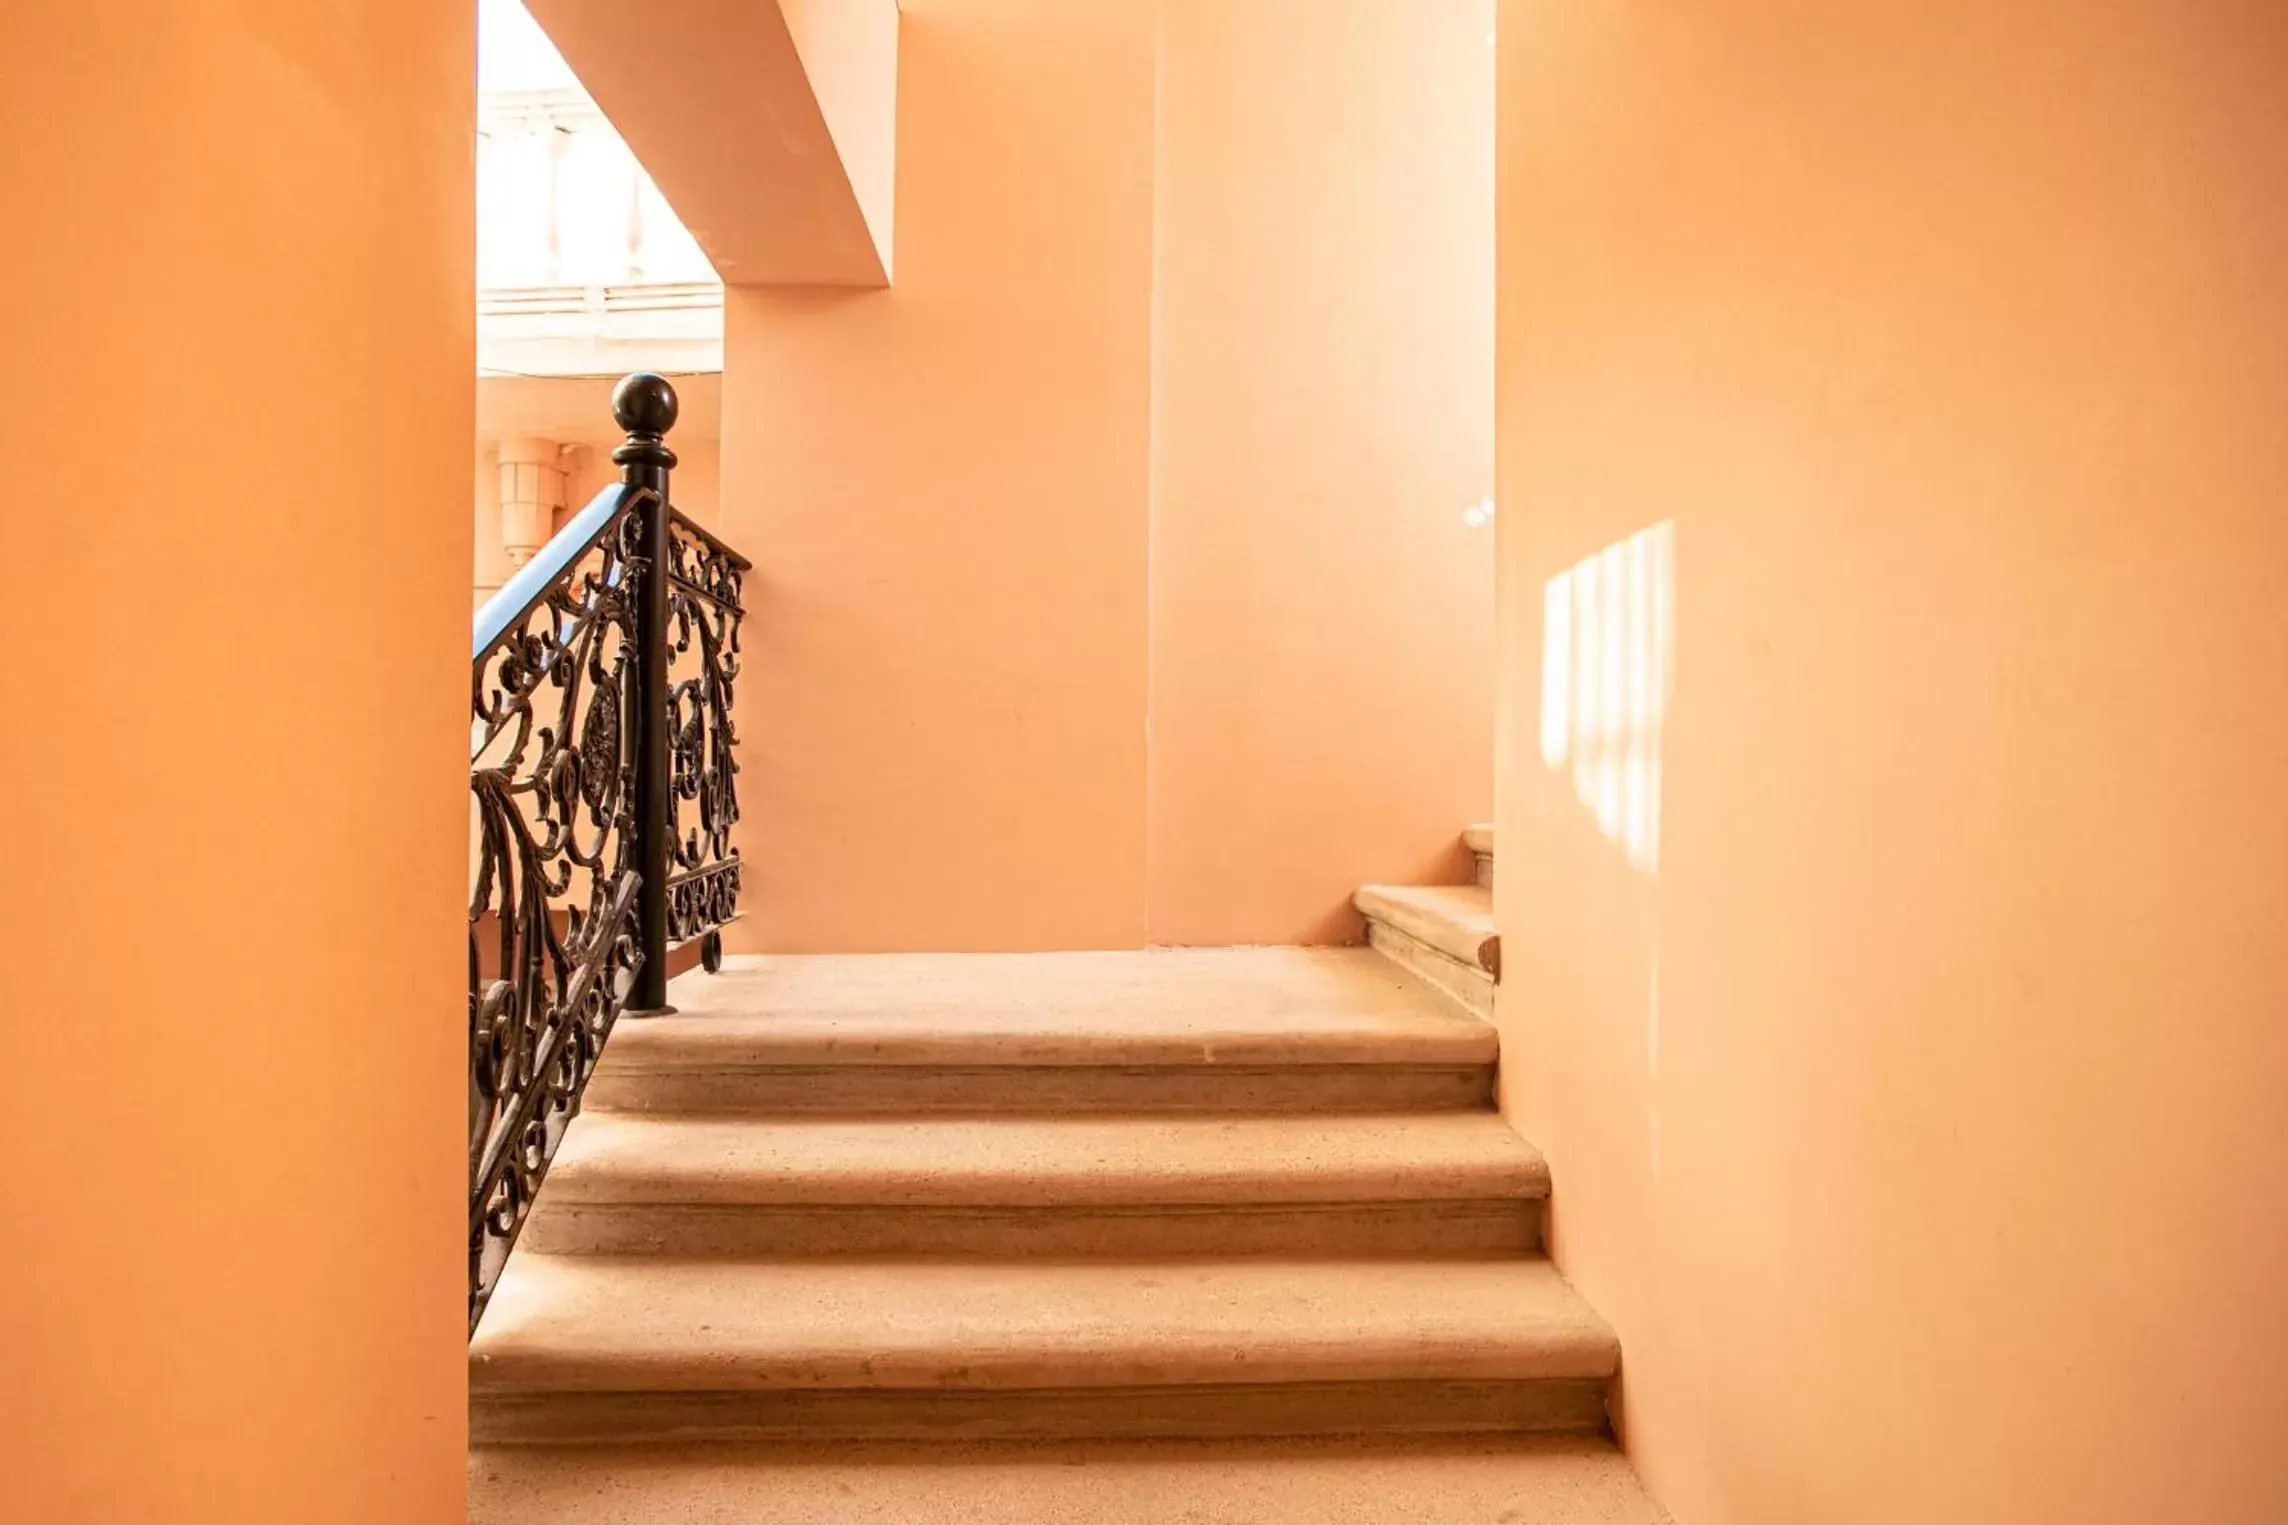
[
  {"x": 1442, "y": 933},
  {"x": 598, "y": 1349},
  {"x": 1455, "y": 1183},
  {"x": 1473, "y": 1480},
  {"x": 1224, "y": 1029},
  {"x": 1479, "y": 839}
]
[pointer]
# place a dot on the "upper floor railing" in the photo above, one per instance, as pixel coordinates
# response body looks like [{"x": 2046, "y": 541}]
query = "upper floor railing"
[
  {"x": 579, "y": 258},
  {"x": 602, "y": 783}
]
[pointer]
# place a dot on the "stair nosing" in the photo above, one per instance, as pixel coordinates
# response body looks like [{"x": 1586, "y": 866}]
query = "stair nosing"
[
  {"x": 1426, "y": 913},
  {"x": 1543, "y": 1331},
  {"x": 629, "y": 1159}
]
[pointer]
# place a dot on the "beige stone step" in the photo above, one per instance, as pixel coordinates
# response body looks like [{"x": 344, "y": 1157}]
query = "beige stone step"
[
  {"x": 1473, "y": 1480},
  {"x": 1220, "y": 1029},
  {"x": 1455, "y": 1183},
  {"x": 597, "y": 1349},
  {"x": 1442, "y": 933},
  {"x": 1479, "y": 839}
]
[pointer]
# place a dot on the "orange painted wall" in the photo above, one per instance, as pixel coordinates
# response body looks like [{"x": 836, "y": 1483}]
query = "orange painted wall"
[
  {"x": 849, "y": 51},
  {"x": 1131, "y": 514},
  {"x": 943, "y": 485},
  {"x": 1322, "y": 618},
  {"x": 240, "y": 327},
  {"x": 1910, "y": 1076}
]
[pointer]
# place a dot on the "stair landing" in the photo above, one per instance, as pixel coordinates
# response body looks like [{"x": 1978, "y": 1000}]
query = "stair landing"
[{"x": 1225, "y": 1030}]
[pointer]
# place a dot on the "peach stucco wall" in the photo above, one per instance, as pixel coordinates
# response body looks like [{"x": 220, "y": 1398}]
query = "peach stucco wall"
[
  {"x": 1322, "y": 617},
  {"x": 1076, "y": 622},
  {"x": 943, "y": 485},
  {"x": 849, "y": 52},
  {"x": 1894, "y": 867},
  {"x": 240, "y": 338}
]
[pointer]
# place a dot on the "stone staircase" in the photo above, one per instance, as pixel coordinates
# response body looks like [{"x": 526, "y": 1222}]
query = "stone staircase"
[
  {"x": 1193, "y": 1235},
  {"x": 1479, "y": 839},
  {"x": 1443, "y": 933}
]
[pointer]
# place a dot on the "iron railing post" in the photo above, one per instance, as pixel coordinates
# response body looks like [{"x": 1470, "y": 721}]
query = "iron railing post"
[{"x": 645, "y": 406}]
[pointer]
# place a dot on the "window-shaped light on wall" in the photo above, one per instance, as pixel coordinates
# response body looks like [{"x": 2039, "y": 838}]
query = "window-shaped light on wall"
[{"x": 1607, "y": 644}]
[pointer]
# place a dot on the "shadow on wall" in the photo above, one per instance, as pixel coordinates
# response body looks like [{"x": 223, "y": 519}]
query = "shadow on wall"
[{"x": 1607, "y": 654}]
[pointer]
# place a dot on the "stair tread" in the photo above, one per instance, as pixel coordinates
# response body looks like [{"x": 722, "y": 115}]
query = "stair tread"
[
  {"x": 1044, "y": 1162},
  {"x": 1192, "y": 1007},
  {"x": 1456, "y": 919},
  {"x": 1479, "y": 838},
  {"x": 656, "y": 1323},
  {"x": 1478, "y": 1480}
]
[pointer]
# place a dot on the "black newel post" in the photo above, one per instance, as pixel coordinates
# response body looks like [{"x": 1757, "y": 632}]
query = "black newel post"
[{"x": 645, "y": 406}]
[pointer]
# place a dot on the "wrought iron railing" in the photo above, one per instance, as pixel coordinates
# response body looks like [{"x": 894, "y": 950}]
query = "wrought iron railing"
[
  {"x": 704, "y": 582},
  {"x": 602, "y": 788}
]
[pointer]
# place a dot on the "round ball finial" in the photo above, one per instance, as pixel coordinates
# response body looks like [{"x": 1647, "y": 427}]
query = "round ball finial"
[{"x": 644, "y": 404}]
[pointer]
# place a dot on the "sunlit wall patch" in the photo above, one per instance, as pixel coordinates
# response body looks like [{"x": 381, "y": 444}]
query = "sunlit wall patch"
[{"x": 1607, "y": 642}]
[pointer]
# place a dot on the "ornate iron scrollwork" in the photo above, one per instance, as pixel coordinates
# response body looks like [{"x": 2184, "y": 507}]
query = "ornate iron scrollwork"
[
  {"x": 704, "y": 582},
  {"x": 700, "y": 903},
  {"x": 552, "y": 944}
]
